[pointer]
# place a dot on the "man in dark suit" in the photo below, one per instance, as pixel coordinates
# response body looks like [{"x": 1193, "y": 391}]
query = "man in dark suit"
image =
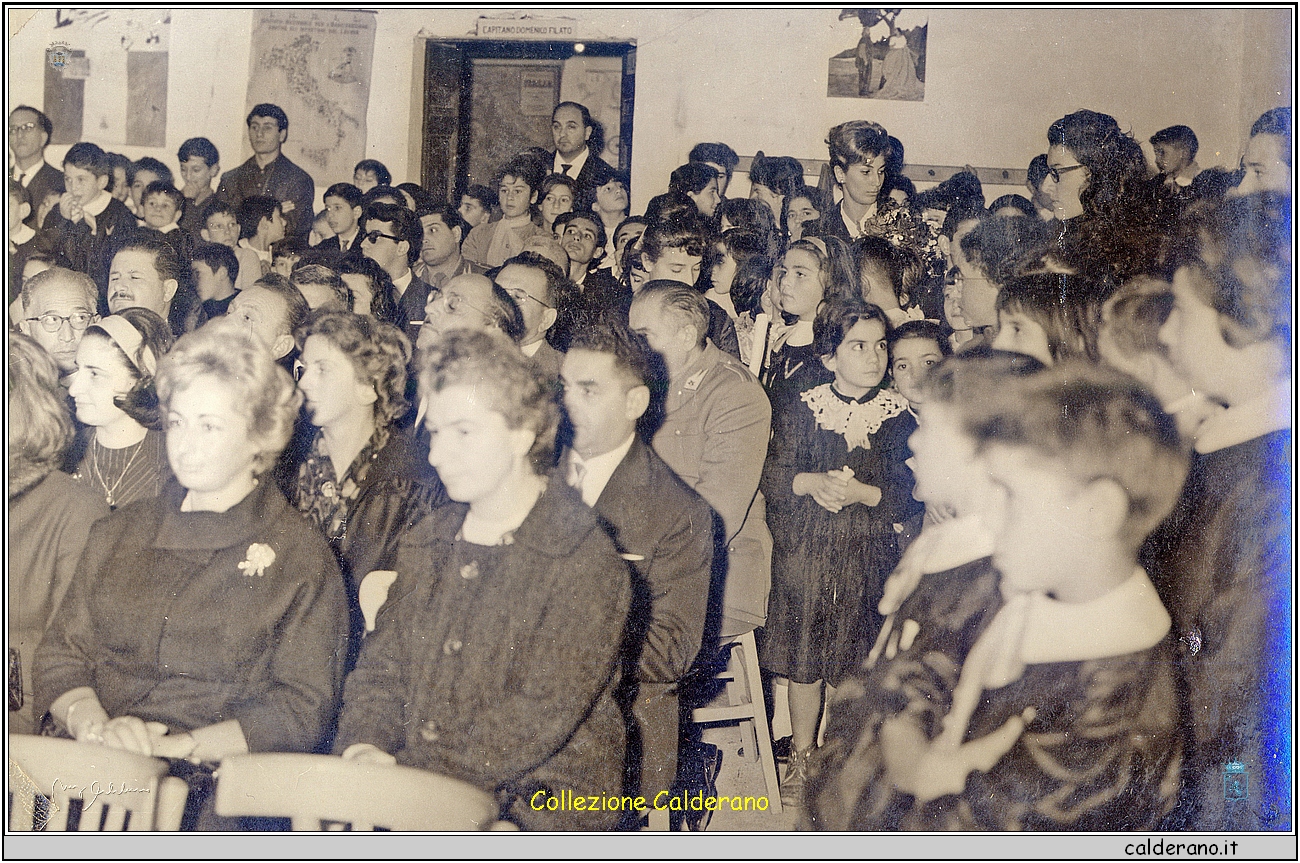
[
  {"x": 269, "y": 172},
  {"x": 29, "y": 134},
  {"x": 658, "y": 524},
  {"x": 391, "y": 236},
  {"x": 579, "y": 141},
  {"x": 538, "y": 288}
]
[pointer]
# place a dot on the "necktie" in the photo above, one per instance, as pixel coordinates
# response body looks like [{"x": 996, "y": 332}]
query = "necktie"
[
  {"x": 566, "y": 169},
  {"x": 577, "y": 473}
]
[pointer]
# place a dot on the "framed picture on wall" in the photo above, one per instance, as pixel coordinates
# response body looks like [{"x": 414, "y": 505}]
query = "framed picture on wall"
[{"x": 888, "y": 59}]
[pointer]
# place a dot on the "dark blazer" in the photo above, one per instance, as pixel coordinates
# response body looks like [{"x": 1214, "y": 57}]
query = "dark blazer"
[
  {"x": 86, "y": 252},
  {"x": 164, "y": 624},
  {"x": 595, "y": 173},
  {"x": 411, "y": 306},
  {"x": 502, "y": 675},
  {"x": 665, "y": 531},
  {"x": 282, "y": 180},
  {"x": 47, "y": 180}
]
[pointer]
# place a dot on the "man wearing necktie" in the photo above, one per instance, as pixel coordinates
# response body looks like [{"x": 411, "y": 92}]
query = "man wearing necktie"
[
  {"x": 658, "y": 524},
  {"x": 578, "y": 142},
  {"x": 29, "y": 133}
]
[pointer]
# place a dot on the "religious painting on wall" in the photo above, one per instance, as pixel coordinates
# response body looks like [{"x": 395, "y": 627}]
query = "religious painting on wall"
[{"x": 888, "y": 59}]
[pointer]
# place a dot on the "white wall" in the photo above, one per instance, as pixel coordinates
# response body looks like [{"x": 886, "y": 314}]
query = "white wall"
[{"x": 756, "y": 78}]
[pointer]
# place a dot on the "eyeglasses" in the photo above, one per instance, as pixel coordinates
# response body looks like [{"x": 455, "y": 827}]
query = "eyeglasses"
[
  {"x": 24, "y": 127},
  {"x": 52, "y": 323},
  {"x": 452, "y": 302},
  {"x": 373, "y": 237},
  {"x": 1055, "y": 173},
  {"x": 519, "y": 295}
]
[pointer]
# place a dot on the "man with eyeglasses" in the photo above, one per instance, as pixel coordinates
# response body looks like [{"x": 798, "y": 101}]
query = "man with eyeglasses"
[
  {"x": 29, "y": 134},
  {"x": 536, "y": 285},
  {"x": 392, "y": 238},
  {"x": 58, "y": 305},
  {"x": 470, "y": 302}
]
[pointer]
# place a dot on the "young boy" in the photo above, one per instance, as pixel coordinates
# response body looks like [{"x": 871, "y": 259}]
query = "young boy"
[
  {"x": 476, "y": 206},
  {"x": 200, "y": 165},
  {"x": 220, "y": 225},
  {"x": 215, "y": 271},
  {"x": 1055, "y": 708},
  {"x": 88, "y": 222},
  {"x": 370, "y": 173},
  {"x": 343, "y": 213},
  {"x": 261, "y": 224}
]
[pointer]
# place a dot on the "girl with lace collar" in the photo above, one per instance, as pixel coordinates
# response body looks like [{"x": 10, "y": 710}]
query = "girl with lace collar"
[{"x": 836, "y": 483}]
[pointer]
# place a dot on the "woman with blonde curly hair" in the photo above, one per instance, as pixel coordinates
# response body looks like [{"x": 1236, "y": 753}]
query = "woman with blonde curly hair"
[
  {"x": 207, "y": 621},
  {"x": 495, "y": 658},
  {"x": 50, "y": 514},
  {"x": 363, "y": 481}
]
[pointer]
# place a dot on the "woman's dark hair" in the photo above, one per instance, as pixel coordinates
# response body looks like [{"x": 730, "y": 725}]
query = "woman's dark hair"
[
  {"x": 857, "y": 141},
  {"x": 782, "y": 174},
  {"x": 752, "y": 216},
  {"x": 140, "y": 402},
  {"x": 1116, "y": 167},
  {"x": 691, "y": 177},
  {"x": 753, "y": 267},
  {"x": 837, "y": 316},
  {"x": 379, "y": 353},
  {"x": 821, "y": 202},
  {"x": 383, "y": 305},
  {"x": 1067, "y": 310}
]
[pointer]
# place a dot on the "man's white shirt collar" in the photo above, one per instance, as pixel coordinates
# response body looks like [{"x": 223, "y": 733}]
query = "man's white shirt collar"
[
  {"x": 599, "y": 469},
  {"x": 575, "y": 166}
]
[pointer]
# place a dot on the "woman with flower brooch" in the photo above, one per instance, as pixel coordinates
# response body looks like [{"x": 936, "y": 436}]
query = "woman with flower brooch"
[
  {"x": 211, "y": 620},
  {"x": 364, "y": 481}
]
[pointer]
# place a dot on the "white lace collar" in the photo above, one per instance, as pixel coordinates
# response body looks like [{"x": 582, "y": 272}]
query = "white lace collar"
[{"x": 854, "y": 421}]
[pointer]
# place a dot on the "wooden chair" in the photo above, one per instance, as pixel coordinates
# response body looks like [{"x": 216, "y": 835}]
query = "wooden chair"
[
  {"x": 111, "y": 789},
  {"x": 356, "y": 795},
  {"x": 744, "y": 695}
]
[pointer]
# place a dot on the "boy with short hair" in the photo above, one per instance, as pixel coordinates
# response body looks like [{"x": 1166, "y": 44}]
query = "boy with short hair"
[
  {"x": 343, "y": 214},
  {"x": 370, "y": 173},
  {"x": 220, "y": 225},
  {"x": 215, "y": 270},
  {"x": 476, "y": 206},
  {"x": 1061, "y": 714},
  {"x": 200, "y": 165},
  {"x": 261, "y": 224},
  {"x": 87, "y": 223},
  {"x": 161, "y": 204}
]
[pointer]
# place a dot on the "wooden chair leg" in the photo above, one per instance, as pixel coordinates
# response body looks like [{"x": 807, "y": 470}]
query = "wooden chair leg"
[{"x": 755, "y": 683}]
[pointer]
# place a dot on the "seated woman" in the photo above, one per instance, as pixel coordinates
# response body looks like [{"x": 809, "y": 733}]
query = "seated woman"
[
  {"x": 210, "y": 620},
  {"x": 49, "y": 514},
  {"x": 363, "y": 481},
  {"x": 113, "y": 389},
  {"x": 494, "y": 659}
]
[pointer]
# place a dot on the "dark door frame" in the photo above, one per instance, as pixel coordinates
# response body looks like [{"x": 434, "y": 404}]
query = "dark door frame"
[{"x": 444, "y": 144}]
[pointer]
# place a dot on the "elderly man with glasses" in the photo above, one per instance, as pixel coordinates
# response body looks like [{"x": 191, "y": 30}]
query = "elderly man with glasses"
[{"x": 538, "y": 288}]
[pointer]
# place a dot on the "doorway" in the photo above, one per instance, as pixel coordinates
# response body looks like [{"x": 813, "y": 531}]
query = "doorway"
[{"x": 485, "y": 101}]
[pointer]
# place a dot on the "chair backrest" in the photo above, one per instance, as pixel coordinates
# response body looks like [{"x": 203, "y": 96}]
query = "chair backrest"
[
  {"x": 373, "y": 593},
  {"x": 310, "y": 789},
  {"x": 113, "y": 789}
]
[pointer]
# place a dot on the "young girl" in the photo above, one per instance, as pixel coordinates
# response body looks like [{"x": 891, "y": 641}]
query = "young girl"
[
  {"x": 835, "y": 482},
  {"x": 1048, "y": 317},
  {"x": 802, "y": 209},
  {"x": 738, "y": 276},
  {"x": 557, "y": 194},
  {"x": 812, "y": 270}
]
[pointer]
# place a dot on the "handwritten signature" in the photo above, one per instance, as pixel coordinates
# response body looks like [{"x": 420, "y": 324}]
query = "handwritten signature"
[{"x": 95, "y": 789}]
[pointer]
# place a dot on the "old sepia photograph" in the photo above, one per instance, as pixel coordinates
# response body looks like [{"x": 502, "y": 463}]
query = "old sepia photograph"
[{"x": 846, "y": 431}]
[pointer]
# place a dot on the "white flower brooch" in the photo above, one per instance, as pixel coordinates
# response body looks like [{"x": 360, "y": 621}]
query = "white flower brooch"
[{"x": 260, "y": 556}]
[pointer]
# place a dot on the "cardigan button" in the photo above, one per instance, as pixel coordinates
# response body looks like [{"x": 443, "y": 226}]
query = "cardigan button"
[
  {"x": 451, "y": 646},
  {"x": 428, "y": 731}
]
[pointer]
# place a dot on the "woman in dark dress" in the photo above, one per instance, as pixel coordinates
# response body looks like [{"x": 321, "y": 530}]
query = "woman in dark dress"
[
  {"x": 210, "y": 620},
  {"x": 364, "y": 480},
  {"x": 494, "y": 659},
  {"x": 836, "y": 484}
]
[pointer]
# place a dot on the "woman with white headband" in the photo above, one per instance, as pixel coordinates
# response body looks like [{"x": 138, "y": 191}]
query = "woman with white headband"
[{"x": 113, "y": 389}]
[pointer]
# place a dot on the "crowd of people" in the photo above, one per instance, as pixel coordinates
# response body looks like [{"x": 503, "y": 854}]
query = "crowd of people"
[{"x": 488, "y": 486}]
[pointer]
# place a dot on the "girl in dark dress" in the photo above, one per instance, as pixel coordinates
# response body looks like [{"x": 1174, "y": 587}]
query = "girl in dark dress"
[{"x": 836, "y": 484}]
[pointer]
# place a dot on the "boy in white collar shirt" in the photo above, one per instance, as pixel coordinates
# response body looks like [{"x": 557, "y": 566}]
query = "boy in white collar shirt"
[{"x": 1062, "y": 713}]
